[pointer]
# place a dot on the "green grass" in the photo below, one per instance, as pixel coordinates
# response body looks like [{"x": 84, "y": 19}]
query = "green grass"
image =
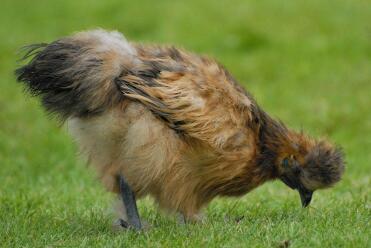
[{"x": 307, "y": 62}]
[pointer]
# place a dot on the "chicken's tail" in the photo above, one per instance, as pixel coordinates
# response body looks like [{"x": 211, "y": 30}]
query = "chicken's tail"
[{"x": 75, "y": 75}]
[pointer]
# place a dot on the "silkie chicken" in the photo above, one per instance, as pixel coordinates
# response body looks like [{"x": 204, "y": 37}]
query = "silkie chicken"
[{"x": 160, "y": 121}]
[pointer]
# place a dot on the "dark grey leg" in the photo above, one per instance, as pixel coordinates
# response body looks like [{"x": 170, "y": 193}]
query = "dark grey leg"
[
  {"x": 183, "y": 220},
  {"x": 129, "y": 201}
]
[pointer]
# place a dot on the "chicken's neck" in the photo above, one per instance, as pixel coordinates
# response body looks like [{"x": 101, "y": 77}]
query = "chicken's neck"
[{"x": 274, "y": 142}]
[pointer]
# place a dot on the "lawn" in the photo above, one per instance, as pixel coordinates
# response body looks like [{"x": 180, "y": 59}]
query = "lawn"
[{"x": 306, "y": 62}]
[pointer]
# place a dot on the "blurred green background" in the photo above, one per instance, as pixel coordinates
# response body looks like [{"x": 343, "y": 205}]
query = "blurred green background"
[{"x": 306, "y": 62}]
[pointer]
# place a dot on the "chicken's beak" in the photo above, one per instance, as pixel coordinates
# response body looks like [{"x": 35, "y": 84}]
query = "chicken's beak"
[{"x": 305, "y": 196}]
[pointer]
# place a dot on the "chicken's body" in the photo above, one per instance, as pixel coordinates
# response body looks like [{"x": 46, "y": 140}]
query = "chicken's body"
[
  {"x": 175, "y": 124},
  {"x": 194, "y": 139}
]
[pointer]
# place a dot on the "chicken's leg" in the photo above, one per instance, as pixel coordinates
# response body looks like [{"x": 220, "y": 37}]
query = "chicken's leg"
[{"x": 128, "y": 199}]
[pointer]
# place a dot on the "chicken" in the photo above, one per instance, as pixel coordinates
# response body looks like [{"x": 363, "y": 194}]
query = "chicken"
[{"x": 160, "y": 121}]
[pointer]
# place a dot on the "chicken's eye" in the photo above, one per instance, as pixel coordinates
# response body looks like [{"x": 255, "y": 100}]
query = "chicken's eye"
[{"x": 285, "y": 162}]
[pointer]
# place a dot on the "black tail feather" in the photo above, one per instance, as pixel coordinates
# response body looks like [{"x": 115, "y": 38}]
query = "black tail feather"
[{"x": 75, "y": 76}]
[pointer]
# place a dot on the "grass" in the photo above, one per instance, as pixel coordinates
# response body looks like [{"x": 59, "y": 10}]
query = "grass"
[{"x": 308, "y": 62}]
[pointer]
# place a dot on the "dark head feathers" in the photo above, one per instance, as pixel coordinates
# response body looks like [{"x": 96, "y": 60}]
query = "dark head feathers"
[{"x": 324, "y": 165}]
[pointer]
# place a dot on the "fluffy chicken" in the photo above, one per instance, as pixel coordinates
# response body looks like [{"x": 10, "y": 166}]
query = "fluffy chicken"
[{"x": 160, "y": 121}]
